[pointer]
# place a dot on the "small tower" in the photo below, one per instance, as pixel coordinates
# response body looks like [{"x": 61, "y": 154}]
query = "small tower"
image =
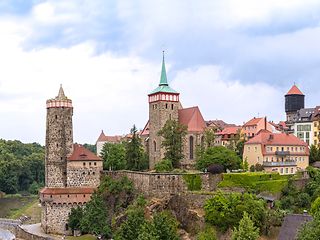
[
  {"x": 59, "y": 140},
  {"x": 163, "y": 105},
  {"x": 294, "y": 101}
]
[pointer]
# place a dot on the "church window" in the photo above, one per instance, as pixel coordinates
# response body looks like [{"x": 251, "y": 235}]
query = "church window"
[
  {"x": 154, "y": 146},
  {"x": 191, "y": 147}
]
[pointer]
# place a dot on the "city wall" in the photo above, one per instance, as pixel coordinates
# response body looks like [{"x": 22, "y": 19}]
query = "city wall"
[{"x": 161, "y": 184}]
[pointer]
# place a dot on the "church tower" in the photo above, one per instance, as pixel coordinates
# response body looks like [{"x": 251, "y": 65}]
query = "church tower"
[
  {"x": 59, "y": 140},
  {"x": 163, "y": 105}
]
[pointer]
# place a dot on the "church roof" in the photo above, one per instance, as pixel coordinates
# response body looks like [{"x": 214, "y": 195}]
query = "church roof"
[
  {"x": 294, "y": 90},
  {"x": 80, "y": 153},
  {"x": 145, "y": 130},
  {"x": 163, "y": 85},
  {"x": 192, "y": 118}
]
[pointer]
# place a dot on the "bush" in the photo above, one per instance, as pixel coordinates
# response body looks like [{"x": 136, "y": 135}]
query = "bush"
[
  {"x": 208, "y": 234},
  {"x": 215, "y": 169},
  {"x": 193, "y": 181},
  {"x": 164, "y": 165},
  {"x": 252, "y": 168},
  {"x": 259, "y": 167}
]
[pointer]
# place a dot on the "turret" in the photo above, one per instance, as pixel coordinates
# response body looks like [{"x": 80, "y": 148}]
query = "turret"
[
  {"x": 59, "y": 139},
  {"x": 294, "y": 101}
]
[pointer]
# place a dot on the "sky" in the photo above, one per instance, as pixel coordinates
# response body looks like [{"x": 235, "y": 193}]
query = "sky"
[{"x": 234, "y": 59}]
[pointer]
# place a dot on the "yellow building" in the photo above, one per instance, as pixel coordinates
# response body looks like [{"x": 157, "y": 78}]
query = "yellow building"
[
  {"x": 316, "y": 126},
  {"x": 277, "y": 152}
]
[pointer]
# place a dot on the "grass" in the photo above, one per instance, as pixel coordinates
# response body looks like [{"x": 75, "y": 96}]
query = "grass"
[
  {"x": 31, "y": 209},
  {"x": 83, "y": 237},
  {"x": 258, "y": 181}
]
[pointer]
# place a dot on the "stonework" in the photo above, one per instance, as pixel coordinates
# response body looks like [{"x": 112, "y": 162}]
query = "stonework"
[{"x": 71, "y": 172}]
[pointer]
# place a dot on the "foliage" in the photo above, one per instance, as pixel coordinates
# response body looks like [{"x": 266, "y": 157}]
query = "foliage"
[
  {"x": 240, "y": 147},
  {"x": 20, "y": 166},
  {"x": 314, "y": 154},
  {"x": 311, "y": 230},
  {"x": 165, "y": 226},
  {"x": 193, "y": 181},
  {"x": 245, "y": 165},
  {"x": 115, "y": 186},
  {"x": 34, "y": 187},
  {"x": 164, "y": 165},
  {"x": 207, "y": 234},
  {"x": 130, "y": 229},
  {"x": 75, "y": 218},
  {"x": 209, "y": 136},
  {"x": 226, "y": 210},
  {"x": 148, "y": 232},
  {"x": 173, "y": 134},
  {"x": 95, "y": 218},
  {"x": 135, "y": 156},
  {"x": 218, "y": 155},
  {"x": 315, "y": 206},
  {"x": 258, "y": 167},
  {"x": 246, "y": 230},
  {"x": 274, "y": 218},
  {"x": 258, "y": 181},
  {"x": 114, "y": 156},
  {"x": 91, "y": 147},
  {"x": 215, "y": 168}
]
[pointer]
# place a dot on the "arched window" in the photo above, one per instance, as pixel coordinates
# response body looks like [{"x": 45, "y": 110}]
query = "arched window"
[
  {"x": 191, "y": 146},
  {"x": 154, "y": 146}
]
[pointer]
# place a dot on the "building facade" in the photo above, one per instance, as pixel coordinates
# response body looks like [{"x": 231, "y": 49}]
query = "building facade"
[
  {"x": 72, "y": 173},
  {"x": 277, "y": 152},
  {"x": 253, "y": 126},
  {"x": 164, "y": 105}
]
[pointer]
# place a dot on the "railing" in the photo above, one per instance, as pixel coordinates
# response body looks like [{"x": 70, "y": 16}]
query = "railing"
[
  {"x": 278, "y": 164},
  {"x": 282, "y": 153}
]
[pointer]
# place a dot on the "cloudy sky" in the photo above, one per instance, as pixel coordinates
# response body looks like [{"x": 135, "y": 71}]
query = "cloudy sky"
[{"x": 234, "y": 59}]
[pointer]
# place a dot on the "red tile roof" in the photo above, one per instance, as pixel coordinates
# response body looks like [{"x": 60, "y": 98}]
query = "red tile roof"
[
  {"x": 145, "y": 131},
  {"x": 294, "y": 91},
  {"x": 229, "y": 130},
  {"x": 192, "y": 118},
  {"x": 267, "y": 138},
  {"x": 252, "y": 122},
  {"x": 60, "y": 191},
  {"x": 111, "y": 139},
  {"x": 80, "y": 153},
  {"x": 220, "y": 124}
]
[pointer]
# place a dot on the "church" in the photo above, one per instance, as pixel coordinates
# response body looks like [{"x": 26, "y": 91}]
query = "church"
[{"x": 164, "y": 104}]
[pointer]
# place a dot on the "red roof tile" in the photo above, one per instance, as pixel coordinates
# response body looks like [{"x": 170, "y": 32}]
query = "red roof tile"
[
  {"x": 267, "y": 138},
  {"x": 145, "y": 131},
  {"x": 294, "y": 91},
  {"x": 110, "y": 139},
  {"x": 192, "y": 118},
  {"x": 58, "y": 191},
  {"x": 253, "y": 121},
  {"x": 80, "y": 153},
  {"x": 229, "y": 130}
]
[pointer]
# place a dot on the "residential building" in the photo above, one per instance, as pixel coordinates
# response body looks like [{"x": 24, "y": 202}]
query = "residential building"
[
  {"x": 316, "y": 126},
  {"x": 102, "y": 139},
  {"x": 228, "y": 136},
  {"x": 303, "y": 125},
  {"x": 277, "y": 152},
  {"x": 253, "y": 126}
]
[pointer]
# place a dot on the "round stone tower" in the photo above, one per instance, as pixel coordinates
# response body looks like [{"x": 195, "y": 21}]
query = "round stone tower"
[
  {"x": 294, "y": 101},
  {"x": 163, "y": 105},
  {"x": 59, "y": 140}
]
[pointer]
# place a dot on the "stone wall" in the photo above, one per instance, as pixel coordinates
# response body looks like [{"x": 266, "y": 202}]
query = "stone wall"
[
  {"x": 83, "y": 173},
  {"x": 9, "y": 224},
  {"x": 160, "y": 184},
  {"x": 23, "y": 234}
]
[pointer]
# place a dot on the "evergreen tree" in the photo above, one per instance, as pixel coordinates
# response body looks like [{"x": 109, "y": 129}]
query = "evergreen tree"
[
  {"x": 95, "y": 217},
  {"x": 148, "y": 232},
  {"x": 173, "y": 134},
  {"x": 165, "y": 226},
  {"x": 246, "y": 230},
  {"x": 75, "y": 218},
  {"x": 135, "y": 155}
]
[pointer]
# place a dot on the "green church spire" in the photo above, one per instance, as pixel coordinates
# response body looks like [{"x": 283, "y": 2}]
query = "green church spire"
[{"x": 163, "y": 78}]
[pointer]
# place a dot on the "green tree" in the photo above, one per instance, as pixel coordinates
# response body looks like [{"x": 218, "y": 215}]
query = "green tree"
[
  {"x": 135, "y": 155},
  {"x": 165, "y": 226},
  {"x": 95, "y": 218},
  {"x": 207, "y": 234},
  {"x": 91, "y": 147},
  {"x": 246, "y": 230},
  {"x": 209, "y": 136},
  {"x": 315, "y": 206},
  {"x": 314, "y": 154},
  {"x": 311, "y": 230},
  {"x": 148, "y": 232},
  {"x": 173, "y": 134},
  {"x": 75, "y": 218},
  {"x": 218, "y": 155},
  {"x": 240, "y": 147},
  {"x": 114, "y": 156},
  {"x": 164, "y": 165}
]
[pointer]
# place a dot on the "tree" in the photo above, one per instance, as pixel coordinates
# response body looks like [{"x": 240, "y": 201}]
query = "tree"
[
  {"x": 113, "y": 155},
  {"x": 173, "y": 134},
  {"x": 163, "y": 166},
  {"x": 209, "y": 136},
  {"x": 218, "y": 155},
  {"x": 246, "y": 230},
  {"x": 165, "y": 226},
  {"x": 95, "y": 218},
  {"x": 311, "y": 230},
  {"x": 314, "y": 154},
  {"x": 315, "y": 206},
  {"x": 75, "y": 218},
  {"x": 91, "y": 147},
  {"x": 240, "y": 147},
  {"x": 208, "y": 234},
  {"x": 148, "y": 232},
  {"x": 226, "y": 210},
  {"x": 135, "y": 155}
]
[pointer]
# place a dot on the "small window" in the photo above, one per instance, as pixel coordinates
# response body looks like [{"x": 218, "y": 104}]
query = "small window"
[
  {"x": 56, "y": 116},
  {"x": 171, "y": 106},
  {"x": 93, "y": 173},
  {"x": 84, "y": 164},
  {"x": 154, "y": 146},
  {"x": 89, "y": 163},
  {"x": 84, "y": 195},
  {"x": 68, "y": 195},
  {"x": 281, "y": 170},
  {"x": 166, "y": 105},
  {"x": 95, "y": 163}
]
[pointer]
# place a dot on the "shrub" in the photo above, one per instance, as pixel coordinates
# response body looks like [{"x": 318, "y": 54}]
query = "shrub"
[
  {"x": 259, "y": 167},
  {"x": 215, "y": 168},
  {"x": 164, "y": 165},
  {"x": 193, "y": 181},
  {"x": 207, "y": 234},
  {"x": 252, "y": 168}
]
